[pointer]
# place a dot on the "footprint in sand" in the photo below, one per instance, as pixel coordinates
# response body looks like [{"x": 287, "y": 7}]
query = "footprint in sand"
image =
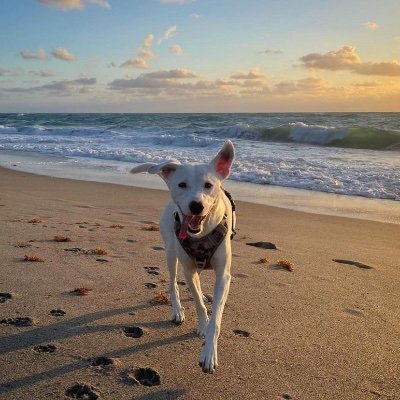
[
  {"x": 5, "y": 296},
  {"x": 150, "y": 285},
  {"x": 133, "y": 331},
  {"x": 239, "y": 275},
  {"x": 241, "y": 333},
  {"x": 83, "y": 391},
  {"x": 143, "y": 376},
  {"x": 354, "y": 311},
  {"x": 152, "y": 270},
  {"x": 102, "y": 363},
  {"x": 18, "y": 321},
  {"x": 57, "y": 312},
  {"x": 45, "y": 348},
  {"x": 158, "y": 248}
]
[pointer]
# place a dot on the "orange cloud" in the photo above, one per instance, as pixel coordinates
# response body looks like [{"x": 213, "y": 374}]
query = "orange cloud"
[
  {"x": 346, "y": 58},
  {"x": 73, "y": 4},
  {"x": 63, "y": 54}
]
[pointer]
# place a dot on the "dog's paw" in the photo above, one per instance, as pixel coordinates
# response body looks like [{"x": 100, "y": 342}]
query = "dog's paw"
[
  {"x": 208, "y": 360},
  {"x": 178, "y": 316},
  {"x": 202, "y": 328}
]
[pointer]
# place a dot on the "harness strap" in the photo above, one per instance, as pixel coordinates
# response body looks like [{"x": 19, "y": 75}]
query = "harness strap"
[{"x": 233, "y": 205}]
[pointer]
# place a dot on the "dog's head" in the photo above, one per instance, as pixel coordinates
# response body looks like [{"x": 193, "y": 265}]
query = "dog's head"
[{"x": 194, "y": 188}]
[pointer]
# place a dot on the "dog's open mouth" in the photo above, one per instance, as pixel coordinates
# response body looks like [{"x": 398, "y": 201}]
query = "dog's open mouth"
[{"x": 191, "y": 223}]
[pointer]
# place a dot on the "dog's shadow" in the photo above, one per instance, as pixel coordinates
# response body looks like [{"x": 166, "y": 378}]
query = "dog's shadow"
[{"x": 78, "y": 327}]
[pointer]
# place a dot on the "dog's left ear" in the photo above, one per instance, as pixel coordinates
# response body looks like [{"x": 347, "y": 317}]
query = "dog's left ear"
[
  {"x": 164, "y": 169},
  {"x": 224, "y": 159}
]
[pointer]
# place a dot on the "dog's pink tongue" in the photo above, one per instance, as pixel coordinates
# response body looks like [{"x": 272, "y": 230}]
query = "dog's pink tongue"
[{"x": 184, "y": 227}]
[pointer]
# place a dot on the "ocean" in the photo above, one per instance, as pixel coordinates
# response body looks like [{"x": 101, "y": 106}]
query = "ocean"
[{"x": 345, "y": 153}]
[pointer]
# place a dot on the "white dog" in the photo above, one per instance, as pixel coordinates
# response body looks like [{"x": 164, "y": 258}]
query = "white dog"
[{"x": 197, "y": 226}]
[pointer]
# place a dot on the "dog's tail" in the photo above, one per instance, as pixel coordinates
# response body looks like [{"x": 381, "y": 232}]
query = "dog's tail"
[{"x": 142, "y": 168}]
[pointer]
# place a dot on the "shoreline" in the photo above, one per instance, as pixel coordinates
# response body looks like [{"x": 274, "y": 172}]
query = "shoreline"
[{"x": 380, "y": 210}]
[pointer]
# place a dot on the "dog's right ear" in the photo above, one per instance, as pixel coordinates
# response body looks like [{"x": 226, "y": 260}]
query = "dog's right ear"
[{"x": 163, "y": 169}]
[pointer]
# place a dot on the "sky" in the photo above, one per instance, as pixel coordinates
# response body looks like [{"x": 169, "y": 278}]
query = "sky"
[{"x": 199, "y": 55}]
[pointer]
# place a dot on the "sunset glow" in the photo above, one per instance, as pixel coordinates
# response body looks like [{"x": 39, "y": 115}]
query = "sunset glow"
[{"x": 199, "y": 56}]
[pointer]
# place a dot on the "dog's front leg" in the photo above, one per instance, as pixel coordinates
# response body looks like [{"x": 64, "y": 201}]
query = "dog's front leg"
[
  {"x": 193, "y": 281},
  {"x": 178, "y": 315},
  {"x": 209, "y": 356}
]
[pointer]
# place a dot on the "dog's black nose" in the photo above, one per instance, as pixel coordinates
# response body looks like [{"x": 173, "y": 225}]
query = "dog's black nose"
[{"x": 196, "y": 207}]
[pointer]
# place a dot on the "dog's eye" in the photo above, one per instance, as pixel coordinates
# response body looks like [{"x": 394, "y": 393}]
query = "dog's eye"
[
  {"x": 182, "y": 185},
  {"x": 208, "y": 185}
]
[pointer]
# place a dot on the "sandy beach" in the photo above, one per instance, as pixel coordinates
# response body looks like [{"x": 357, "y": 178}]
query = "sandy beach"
[{"x": 325, "y": 330}]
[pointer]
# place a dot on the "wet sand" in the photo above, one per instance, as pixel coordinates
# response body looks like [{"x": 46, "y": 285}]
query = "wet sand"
[{"x": 325, "y": 330}]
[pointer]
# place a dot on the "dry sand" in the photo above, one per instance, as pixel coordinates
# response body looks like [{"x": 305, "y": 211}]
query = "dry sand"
[{"x": 324, "y": 331}]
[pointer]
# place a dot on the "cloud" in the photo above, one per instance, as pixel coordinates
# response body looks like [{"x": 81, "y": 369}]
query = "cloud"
[
  {"x": 73, "y": 4},
  {"x": 305, "y": 86},
  {"x": 179, "y": 73},
  {"x": 4, "y": 71},
  {"x": 65, "y": 86},
  {"x": 40, "y": 54},
  {"x": 195, "y": 16},
  {"x": 100, "y": 3},
  {"x": 43, "y": 74},
  {"x": 135, "y": 63},
  {"x": 391, "y": 68},
  {"x": 63, "y": 54},
  {"x": 367, "y": 84},
  {"x": 177, "y": 82},
  {"x": 168, "y": 34},
  {"x": 254, "y": 73},
  {"x": 144, "y": 53},
  {"x": 176, "y": 49},
  {"x": 177, "y": 1},
  {"x": 372, "y": 26},
  {"x": 346, "y": 58},
  {"x": 270, "y": 51}
]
